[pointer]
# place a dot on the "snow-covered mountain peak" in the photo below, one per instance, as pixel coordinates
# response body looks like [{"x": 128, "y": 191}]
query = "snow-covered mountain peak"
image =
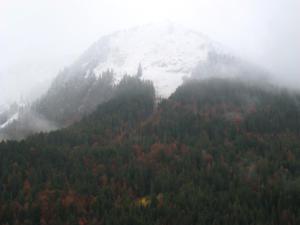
[{"x": 167, "y": 52}]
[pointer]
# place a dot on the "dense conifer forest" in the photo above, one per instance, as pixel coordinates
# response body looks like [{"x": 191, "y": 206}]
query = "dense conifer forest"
[{"x": 217, "y": 152}]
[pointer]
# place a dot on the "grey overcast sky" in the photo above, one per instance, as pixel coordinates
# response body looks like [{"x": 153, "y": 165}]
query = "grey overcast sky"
[{"x": 38, "y": 37}]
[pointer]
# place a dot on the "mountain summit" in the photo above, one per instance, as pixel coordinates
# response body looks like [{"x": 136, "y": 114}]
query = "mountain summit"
[
  {"x": 164, "y": 53},
  {"x": 167, "y": 52}
]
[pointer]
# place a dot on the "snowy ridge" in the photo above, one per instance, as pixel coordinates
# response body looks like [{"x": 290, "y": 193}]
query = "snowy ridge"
[
  {"x": 13, "y": 118},
  {"x": 11, "y": 113},
  {"x": 167, "y": 52}
]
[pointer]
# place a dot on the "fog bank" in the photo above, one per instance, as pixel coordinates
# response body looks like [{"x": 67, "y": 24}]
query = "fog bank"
[{"x": 38, "y": 38}]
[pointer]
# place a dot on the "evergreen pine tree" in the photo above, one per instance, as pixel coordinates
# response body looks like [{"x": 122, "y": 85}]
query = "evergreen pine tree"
[{"x": 139, "y": 71}]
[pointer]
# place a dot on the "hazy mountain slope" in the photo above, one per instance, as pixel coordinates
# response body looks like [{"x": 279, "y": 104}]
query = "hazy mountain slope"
[
  {"x": 227, "y": 66},
  {"x": 167, "y": 54},
  {"x": 67, "y": 101}
]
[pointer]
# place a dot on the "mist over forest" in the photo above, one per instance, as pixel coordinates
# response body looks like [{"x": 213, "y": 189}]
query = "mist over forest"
[
  {"x": 149, "y": 112},
  {"x": 38, "y": 39}
]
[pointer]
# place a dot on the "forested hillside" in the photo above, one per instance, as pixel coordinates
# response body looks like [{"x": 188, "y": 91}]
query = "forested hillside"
[{"x": 216, "y": 152}]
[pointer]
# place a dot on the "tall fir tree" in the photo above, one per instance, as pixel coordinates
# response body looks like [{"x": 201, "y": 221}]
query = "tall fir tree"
[{"x": 139, "y": 71}]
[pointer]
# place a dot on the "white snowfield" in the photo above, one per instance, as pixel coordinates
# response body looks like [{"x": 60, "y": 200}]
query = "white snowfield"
[
  {"x": 13, "y": 118},
  {"x": 167, "y": 53},
  {"x": 12, "y": 115}
]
